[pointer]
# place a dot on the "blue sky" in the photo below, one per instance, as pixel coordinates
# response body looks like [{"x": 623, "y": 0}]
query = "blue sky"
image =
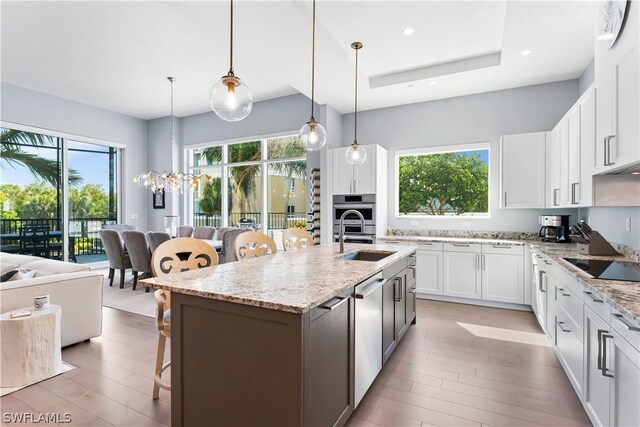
[{"x": 92, "y": 167}]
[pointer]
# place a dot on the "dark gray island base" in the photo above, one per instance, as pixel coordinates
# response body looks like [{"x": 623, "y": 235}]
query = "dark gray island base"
[{"x": 279, "y": 363}]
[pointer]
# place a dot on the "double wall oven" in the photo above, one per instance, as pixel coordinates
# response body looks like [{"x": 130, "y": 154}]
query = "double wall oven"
[{"x": 354, "y": 230}]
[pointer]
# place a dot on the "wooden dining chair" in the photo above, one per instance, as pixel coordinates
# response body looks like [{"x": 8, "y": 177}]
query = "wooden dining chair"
[
  {"x": 296, "y": 238},
  {"x": 253, "y": 244},
  {"x": 174, "y": 256}
]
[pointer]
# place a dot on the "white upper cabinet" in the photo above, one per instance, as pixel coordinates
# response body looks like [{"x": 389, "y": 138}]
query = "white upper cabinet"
[
  {"x": 363, "y": 179},
  {"x": 553, "y": 167},
  {"x": 563, "y": 193},
  {"x": 573, "y": 157},
  {"x": 523, "y": 170},
  {"x": 617, "y": 113},
  {"x": 582, "y": 193}
]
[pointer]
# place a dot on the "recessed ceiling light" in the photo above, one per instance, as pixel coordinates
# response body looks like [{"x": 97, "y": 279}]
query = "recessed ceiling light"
[
  {"x": 433, "y": 82},
  {"x": 635, "y": 173},
  {"x": 408, "y": 31},
  {"x": 526, "y": 52},
  {"x": 605, "y": 36}
]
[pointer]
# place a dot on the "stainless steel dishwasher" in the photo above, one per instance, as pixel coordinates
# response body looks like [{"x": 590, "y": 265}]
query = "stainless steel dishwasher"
[{"x": 368, "y": 340}]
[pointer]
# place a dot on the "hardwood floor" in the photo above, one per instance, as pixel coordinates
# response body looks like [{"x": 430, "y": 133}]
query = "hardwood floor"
[{"x": 460, "y": 365}]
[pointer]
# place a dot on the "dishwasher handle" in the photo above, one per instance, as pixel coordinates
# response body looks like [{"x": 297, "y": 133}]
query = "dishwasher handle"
[{"x": 366, "y": 289}]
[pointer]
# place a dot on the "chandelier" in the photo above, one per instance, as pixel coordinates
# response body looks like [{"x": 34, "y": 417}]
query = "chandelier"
[{"x": 169, "y": 181}]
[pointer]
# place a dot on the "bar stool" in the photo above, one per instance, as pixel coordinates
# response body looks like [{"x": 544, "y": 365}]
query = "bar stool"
[
  {"x": 253, "y": 244},
  {"x": 296, "y": 238},
  {"x": 174, "y": 256}
]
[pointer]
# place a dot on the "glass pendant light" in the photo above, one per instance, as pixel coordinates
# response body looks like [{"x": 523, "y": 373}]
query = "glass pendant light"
[
  {"x": 230, "y": 97},
  {"x": 312, "y": 134},
  {"x": 356, "y": 154}
]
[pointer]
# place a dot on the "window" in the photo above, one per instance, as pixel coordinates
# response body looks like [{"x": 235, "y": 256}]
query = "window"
[
  {"x": 260, "y": 183},
  {"x": 34, "y": 219},
  {"x": 444, "y": 181}
]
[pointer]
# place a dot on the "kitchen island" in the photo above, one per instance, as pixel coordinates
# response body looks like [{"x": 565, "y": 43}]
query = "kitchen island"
[{"x": 272, "y": 340}]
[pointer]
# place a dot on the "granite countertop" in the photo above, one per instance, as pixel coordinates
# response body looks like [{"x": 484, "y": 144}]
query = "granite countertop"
[
  {"x": 294, "y": 281},
  {"x": 466, "y": 240},
  {"x": 623, "y": 295}
]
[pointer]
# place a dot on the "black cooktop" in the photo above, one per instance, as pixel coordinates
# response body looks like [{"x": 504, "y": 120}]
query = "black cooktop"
[{"x": 608, "y": 270}]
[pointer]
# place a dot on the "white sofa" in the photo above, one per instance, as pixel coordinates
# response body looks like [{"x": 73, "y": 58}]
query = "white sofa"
[{"x": 72, "y": 286}]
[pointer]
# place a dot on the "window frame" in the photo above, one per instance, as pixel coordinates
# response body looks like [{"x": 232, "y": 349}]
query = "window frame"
[
  {"x": 264, "y": 162},
  {"x": 440, "y": 149}
]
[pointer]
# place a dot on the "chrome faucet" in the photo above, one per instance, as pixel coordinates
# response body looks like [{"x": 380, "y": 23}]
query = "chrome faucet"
[{"x": 341, "y": 235}]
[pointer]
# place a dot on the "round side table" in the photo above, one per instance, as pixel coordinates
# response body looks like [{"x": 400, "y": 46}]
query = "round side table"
[{"x": 31, "y": 349}]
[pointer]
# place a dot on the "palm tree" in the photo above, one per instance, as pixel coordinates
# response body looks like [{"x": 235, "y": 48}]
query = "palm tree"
[{"x": 45, "y": 169}]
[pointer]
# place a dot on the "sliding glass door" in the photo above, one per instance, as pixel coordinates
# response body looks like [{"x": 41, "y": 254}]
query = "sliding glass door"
[{"x": 56, "y": 195}]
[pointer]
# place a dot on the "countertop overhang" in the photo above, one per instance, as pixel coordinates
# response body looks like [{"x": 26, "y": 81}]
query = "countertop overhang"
[{"x": 295, "y": 281}]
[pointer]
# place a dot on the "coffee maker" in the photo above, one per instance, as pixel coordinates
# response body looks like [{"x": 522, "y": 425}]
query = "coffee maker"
[{"x": 555, "y": 228}]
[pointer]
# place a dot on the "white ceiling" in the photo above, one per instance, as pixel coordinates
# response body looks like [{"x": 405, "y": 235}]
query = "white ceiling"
[{"x": 117, "y": 55}]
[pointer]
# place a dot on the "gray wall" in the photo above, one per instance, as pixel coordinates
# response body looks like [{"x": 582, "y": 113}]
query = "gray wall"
[
  {"x": 47, "y": 112},
  {"x": 467, "y": 119},
  {"x": 610, "y": 222},
  {"x": 586, "y": 78},
  {"x": 163, "y": 156},
  {"x": 283, "y": 114}
]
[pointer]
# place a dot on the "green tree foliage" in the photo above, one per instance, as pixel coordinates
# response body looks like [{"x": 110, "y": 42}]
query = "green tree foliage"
[
  {"x": 211, "y": 201},
  {"x": 40, "y": 200},
  {"x": 12, "y": 154},
  {"x": 444, "y": 183}
]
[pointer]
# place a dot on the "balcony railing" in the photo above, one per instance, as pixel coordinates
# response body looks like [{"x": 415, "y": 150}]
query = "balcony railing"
[
  {"x": 84, "y": 236},
  {"x": 275, "y": 220}
]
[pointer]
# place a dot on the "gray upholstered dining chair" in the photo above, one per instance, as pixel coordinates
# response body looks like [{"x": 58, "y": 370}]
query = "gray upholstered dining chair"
[
  {"x": 156, "y": 238},
  {"x": 118, "y": 258},
  {"x": 223, "y": 230},
  {"x": 204, "y": 233},
  {"x": 228, "y": 239},
  {"x": 184, "y": 231},
  {"x": 139, "y": 253}
]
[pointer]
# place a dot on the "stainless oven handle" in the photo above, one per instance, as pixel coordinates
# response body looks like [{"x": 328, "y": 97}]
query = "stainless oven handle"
[{"x": 353, "y": 206}]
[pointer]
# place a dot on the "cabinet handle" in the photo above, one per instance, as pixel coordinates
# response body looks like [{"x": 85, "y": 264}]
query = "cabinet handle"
[
  {"x": 477, "y": 262},
  {"x": 547, "y": 262},
  {"x": 412, "y": 255},
  {"x": 562, "y": 293},
  {"x": 560, "y": 325},
  {"x": 412, "y": 290},
  {"x": 600, "y": 332},
  {"x": 606, "y": 151},
  {"x": 425, "y": 244},
  {"x": 625, "y": 322},
  {"x": 397, "y": 290},
  {"x": 460, "y": 245},
  {"x": 542, "y": 274},
  {"x": 412, "y": 267},
  {"x": 573, "y": 193},
  {"x": 555, "y": 196},
  {"x": 605, "y": 370},
  {"x": 501, "y": 246},
  {"x": 335, "y": 305},
  {"x": 505, "y": 199},
  {"x": 594, "y": 299},
  {"x": 482, "y": 264},
  {"x": 539, "y": 256}
]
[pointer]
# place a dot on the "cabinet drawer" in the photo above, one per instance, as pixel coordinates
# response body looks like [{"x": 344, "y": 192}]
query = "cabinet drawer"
[
  {"x": 571, "y": 305},
  {"x": 411, "y": 275},
  {"x": 430, "y": 246},
  {"x": 628, "y": 328},
  {"x": 569, "y": 348},
  {"x": 503, "y": 249},
  {"x": 596, "y": 302},
  {"x": 463, "y": 247}
]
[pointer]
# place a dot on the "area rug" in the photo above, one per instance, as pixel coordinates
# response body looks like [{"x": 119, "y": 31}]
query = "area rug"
[
  {"x": 126, "y": 299},
  {"x": 64, "y": 368}
]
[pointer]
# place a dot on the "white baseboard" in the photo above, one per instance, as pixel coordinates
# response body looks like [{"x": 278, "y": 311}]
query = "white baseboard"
[{"x": 507, "y": 305}]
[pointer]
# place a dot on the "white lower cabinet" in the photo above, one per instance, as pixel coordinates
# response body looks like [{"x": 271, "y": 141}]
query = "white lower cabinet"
[
  {"x": 625, "y": 382},
  {"x": 429, "y": 272},
  {"x": 461, "y": 274},
  {"x": 568, "y": 346},
  {"x": 503, "y": 278},
  {"x": 597, "y": 386}
]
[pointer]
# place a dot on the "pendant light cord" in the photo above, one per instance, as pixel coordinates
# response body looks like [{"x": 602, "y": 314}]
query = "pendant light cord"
[
  {"x": 231, "y": 39},
  {"x": 313, "y": 59},
  {"x": 355, "y": 117}
]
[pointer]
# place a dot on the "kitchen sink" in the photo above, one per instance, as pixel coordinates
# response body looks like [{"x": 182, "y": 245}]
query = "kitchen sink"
[{"x": 365, "y": 255}]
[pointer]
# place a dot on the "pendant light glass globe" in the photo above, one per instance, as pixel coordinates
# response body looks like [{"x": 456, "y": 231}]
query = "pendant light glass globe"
[
  {"x": 313, "y": 136},
  {"x": 231, "y": 99},
  {"x": 356, "y": 154}
]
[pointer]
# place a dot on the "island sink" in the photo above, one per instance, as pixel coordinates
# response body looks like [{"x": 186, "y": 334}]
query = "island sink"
[{"x": 364, "y": 255}]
